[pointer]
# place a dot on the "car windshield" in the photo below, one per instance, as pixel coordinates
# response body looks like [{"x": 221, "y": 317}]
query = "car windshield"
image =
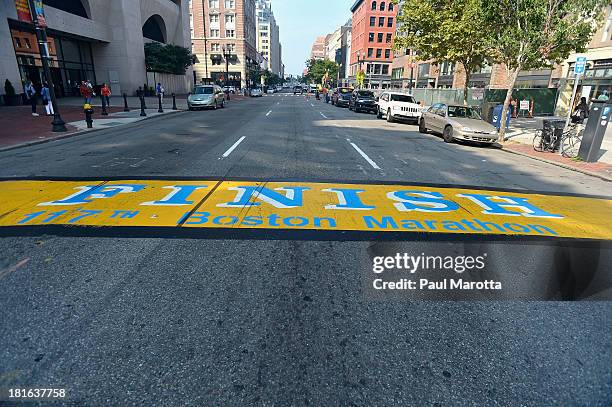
[
  {"x": 203, "y": 90},
  {"x": 365, "y": 93},
  {"x": 402, "y": 98},
  {"x": 463, "y": 112},
  {"x": 239, "y": 203}
]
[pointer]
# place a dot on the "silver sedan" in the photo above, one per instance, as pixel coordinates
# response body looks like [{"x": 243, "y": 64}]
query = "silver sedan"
[{"x": 457, "y": 122}]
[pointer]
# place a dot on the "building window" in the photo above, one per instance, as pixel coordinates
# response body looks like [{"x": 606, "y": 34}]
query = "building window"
[
  {"x": 17, "y": 43},
  {"x": 214, "y": 33},
  {"x": 385, "y": 69},
  {"x": 381, "y": 21},
  {"x": 390, "y": 6},
  {"x": 423, "y": 70},
  {"x": 376, "y": 69},
  {"x": 231, "y": 47},
  {"x": 382, "y": 6},
  {"x": 214, "y": 18},
  {"x": 387, "y": 53},
  {"x": 389, "y": 38},
  {"x": 213, "y": 3},
  {"x": 390, "y": 22},
  {"x": 229, "y": 4},
  {"x": 370, "y": 52},
  {"x": 379, "y": 53},
  {"x": 215, "y": 47},
  {"x": 606, "y": 32},
  {"x": 373, "y": 6},
  {"x": 229, "y": 19},
  {"x": 372, "y": 21},
  {"x": 371, "y": 37},
  {"x": 380, "y": 37},
  {"x": 230, "y": 33}
]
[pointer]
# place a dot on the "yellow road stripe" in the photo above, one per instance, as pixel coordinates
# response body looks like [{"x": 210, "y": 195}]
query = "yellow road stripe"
[{"x": 301, "y": 206}]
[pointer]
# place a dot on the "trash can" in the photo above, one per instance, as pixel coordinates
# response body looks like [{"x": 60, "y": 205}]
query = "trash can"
[
  {"x": 497, "y": 116},
  {"x": 550, "y": 126}
]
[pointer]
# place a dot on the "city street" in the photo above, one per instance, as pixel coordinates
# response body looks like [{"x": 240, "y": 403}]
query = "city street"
[{"x": 230, "y": 316}]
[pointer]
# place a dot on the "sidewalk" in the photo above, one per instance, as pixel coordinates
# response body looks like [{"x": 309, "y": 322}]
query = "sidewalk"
[
  {"x": 19, "y": 127},
  {"x": 520, "y": 135}
]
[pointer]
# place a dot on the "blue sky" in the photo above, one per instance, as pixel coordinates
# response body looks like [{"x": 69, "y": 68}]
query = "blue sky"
[{"x": 301, "y": 21}]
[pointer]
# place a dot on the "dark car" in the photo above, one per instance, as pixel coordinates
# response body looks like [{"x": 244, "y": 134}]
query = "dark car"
[
  {"x": 297, "y": 89},
  {"x": 341, "y": 97},
  {"x": 363, "y": 100}
]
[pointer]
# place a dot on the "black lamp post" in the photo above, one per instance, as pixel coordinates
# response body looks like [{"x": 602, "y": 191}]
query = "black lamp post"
[
  {"x": 58, "y": 125},
  {"x": 226, "y": 55}
]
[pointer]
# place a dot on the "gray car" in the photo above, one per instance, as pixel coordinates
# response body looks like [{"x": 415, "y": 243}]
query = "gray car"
[
  {"x": 457, "y": 122},
  {"x": 206, "y": 96}
]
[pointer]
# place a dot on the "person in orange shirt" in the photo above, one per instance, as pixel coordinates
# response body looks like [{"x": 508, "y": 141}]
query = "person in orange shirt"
[{"x": 106, "y": 93}]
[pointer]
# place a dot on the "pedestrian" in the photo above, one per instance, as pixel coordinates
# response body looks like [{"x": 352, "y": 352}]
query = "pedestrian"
[
  {"x": 581, "y": 112},
  {"x": 46, "y": 99},
  {"x": 604, "y": 96},
  {"x": 30, "y": 92},
  {"x": 86, "y": 91},
  {"x": 159, "y": 91},
  {"x": 106, "y": 93}
]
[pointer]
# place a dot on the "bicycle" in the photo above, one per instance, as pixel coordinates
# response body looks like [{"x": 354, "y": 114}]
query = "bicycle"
[
  {"x": 545, "y": 140},
  {"x": 570, "y": 144}
]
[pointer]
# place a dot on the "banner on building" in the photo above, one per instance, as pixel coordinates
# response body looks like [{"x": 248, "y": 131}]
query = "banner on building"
[{"x": 23, "y": 11}]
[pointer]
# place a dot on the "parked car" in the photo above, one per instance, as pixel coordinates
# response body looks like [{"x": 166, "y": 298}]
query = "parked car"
[
  {"x": 256, "y": 92},
  {"x": 398, "y": 106},
  {"x": 341, "y": 97},
  {"x": 298, "y": 90},
  {"x": 363, "y": 100},
  {"x": 457, "y": 122},
  {"x": 206, "y": 96}
]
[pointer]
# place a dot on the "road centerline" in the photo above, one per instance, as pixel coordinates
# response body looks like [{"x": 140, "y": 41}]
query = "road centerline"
[
  {"x": 364, "y": 155},
  {"x": 233, "y": 147},
  {"x": 269, "y": 112}
]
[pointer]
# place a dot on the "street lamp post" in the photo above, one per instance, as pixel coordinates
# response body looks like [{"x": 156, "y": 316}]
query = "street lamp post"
[
  {"x": 226, "y": 55},
  {"x": 38, "y": 18}
]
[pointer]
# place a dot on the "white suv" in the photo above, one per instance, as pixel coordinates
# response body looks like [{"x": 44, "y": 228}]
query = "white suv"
[{"x": 398, "y": 106}]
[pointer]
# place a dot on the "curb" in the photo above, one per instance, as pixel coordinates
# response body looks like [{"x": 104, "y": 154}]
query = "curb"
[
  {"x": 81, "y": 132},
  {"x": 558, "y": 164}
]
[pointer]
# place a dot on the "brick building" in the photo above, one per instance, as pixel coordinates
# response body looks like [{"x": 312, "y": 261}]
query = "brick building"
[
  {"x": 229, "y": 25},
  {"x": 373, "y": 32},
  {"x": 318, "y": 48}
]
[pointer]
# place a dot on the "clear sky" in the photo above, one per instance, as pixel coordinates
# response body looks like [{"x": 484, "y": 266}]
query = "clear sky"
[{"x": 301, "y": 21}]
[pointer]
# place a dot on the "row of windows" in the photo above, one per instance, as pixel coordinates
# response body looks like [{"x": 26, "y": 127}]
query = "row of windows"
[
  {"x": 389, "y": 37},
  {"x": 215, "y": 47},
  {"x": 382, "y": 6},
  {"x": 229, "y": 19},
  {"x": 381, "y": 21},
  {"x": 215, "y": 33},
  {"x": 379, "y": 53},
  {"x": 215, "y": 3},
  {"x": 24, "y": 44},
  {"x": 377, "y": 69}
]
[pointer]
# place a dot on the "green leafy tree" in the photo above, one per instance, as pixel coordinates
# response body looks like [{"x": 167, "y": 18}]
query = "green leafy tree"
[
  {"x": 172, "y": 59},
  {"x": 534, "y": 34},
  {"x": 445, "y": 30},
  {"x": 317, "y": 68}
]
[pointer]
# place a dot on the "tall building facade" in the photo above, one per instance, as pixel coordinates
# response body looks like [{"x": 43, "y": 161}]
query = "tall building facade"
[
  {"x": 373, "y": 32},
  {"x": 224, "y": 37},
  {"x": 336, "y": 48},
  {"x": 97, "y": 40},
  {"x": 268, "y": 36},
  {"x": 318, "y": 48}
]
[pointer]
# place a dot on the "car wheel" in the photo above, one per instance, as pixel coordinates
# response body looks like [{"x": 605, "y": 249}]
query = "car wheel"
[
  {"x": 448, "y": 134},
  {"x": 389, "y": 116},
  {"x": 222, "y": 104},
  {"x": 379, "y": 114},
  {"x": 350, "y": 108},
  {"x": 422, "y": 128},
  {"x": 190, "y": 108}
]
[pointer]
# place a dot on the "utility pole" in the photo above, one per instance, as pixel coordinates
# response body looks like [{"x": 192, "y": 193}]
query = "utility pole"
[
  {"x": 38, "y": 18},
  {"x": 205, "y": 40}
]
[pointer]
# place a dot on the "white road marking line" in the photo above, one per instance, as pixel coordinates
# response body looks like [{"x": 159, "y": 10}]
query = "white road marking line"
[
  {"x": 268, "y": 114},
  {"x": 364, "y": 155},
  {"x": 232, "y": 148},
  {"x": 325, "y": 117},
  {"x": 311, "y": 105}
]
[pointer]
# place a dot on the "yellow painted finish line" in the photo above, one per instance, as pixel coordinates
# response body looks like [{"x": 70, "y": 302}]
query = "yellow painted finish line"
[{"x": 301, "y": 206}]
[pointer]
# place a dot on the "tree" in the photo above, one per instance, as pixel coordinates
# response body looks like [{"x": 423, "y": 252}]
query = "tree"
[
  {"x": 318, "y": 68},
  {"x": 445, "y": 30},
  {"x": 168, "y": 58},
  {"x": 534, "y": 34}
]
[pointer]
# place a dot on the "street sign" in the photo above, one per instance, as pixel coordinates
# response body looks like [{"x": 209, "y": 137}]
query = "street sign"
[{"x": 580, "y": 65}]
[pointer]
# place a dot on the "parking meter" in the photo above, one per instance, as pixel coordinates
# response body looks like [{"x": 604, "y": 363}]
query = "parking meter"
[{"x": 593, "y": 135}]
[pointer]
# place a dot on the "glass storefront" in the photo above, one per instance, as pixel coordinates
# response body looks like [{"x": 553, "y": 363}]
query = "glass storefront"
[{"x": 71, "y": 60}]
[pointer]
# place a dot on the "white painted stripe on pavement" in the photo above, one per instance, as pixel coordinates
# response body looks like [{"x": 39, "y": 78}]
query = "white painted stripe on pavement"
[
  {"x": 325, "y": 117},
  {"x": 364, "y": 155},
  {"x": 311, "y": 105},
  {"x": 268, "y": 114},
  {"x": 232, "y": 148}
]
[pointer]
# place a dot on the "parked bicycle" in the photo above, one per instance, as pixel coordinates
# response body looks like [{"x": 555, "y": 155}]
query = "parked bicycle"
[{"x": 568, "y": 142}]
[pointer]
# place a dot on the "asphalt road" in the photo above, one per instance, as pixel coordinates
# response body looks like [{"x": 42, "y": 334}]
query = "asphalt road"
[{"x": 154, "y": 321}]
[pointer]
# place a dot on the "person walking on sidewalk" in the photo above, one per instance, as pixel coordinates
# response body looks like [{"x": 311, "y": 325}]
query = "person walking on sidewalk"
[
  {"x": 106, "y": 93},
  {"x": 86, "y": 91},
  {"x": 46, "y": 99},
  {"x": 159, "y": 91},
  {"x": 581, "y": 112},
  {"x": 30, "y": 92}
]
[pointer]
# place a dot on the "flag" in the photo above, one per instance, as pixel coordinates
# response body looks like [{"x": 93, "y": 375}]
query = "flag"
[{"x": 23, "y": 11}]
